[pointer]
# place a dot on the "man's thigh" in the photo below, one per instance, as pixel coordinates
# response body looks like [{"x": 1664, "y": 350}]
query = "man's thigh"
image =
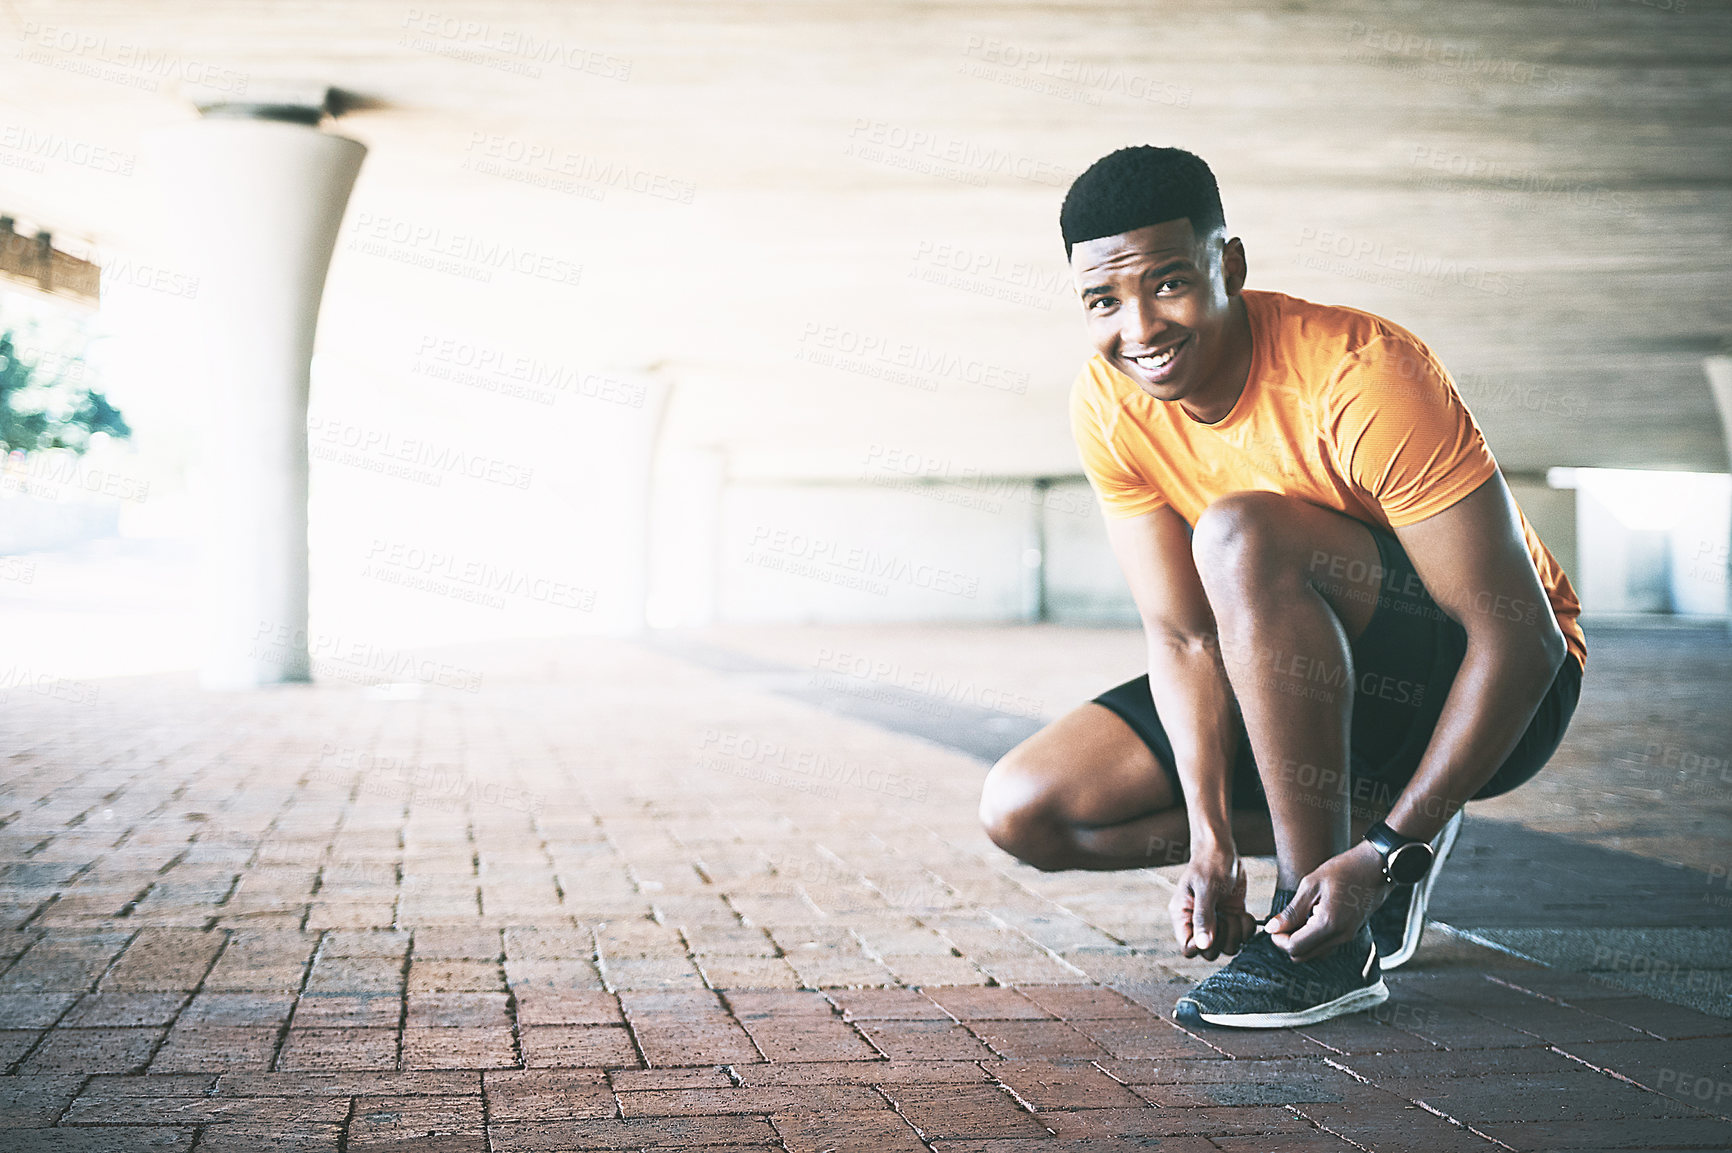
[{"x": 1089, "y": 767}]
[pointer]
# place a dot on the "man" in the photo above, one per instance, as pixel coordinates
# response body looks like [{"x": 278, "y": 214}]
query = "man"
[{"x": 1352, "y": 629}]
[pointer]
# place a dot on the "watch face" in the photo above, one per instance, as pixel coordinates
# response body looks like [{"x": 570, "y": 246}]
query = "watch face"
[{"x": 1409, "y": 863}]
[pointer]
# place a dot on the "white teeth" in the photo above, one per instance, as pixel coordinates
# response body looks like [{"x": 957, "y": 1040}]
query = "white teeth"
[{"x": 1158, "y": 361}]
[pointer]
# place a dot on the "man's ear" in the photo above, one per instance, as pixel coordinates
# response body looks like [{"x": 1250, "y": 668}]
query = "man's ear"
[{"x": 1233, "y": 269}]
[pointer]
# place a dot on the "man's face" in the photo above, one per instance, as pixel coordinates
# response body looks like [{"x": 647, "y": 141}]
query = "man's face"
[{"x": 1158, "y": 303}]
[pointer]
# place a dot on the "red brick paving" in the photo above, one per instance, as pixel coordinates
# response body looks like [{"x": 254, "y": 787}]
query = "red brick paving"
[
  {"x": 1048, "y": 1085},
  {"x": 874, "y": 1130},
  {"x": 548, "y": 1095},
  {"x": 199, "y": 1048},
  {"x": 568, "y": 1046},
  {"x": 218, "y": 931}
]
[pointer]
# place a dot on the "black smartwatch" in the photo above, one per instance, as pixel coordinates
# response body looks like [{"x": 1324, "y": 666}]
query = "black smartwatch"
[{"x": 1405, "y": 860}]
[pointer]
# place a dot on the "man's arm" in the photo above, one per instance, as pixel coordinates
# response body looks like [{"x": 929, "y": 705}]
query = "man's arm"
[
  {"x": 1192, "y": 696},
  {"x": 1474, "y": 562}
]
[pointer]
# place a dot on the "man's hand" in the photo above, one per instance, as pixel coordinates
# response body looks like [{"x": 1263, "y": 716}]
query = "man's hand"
[
  {"x": 1208, "y": 908},
  {"x": 1332, "y": 902}
]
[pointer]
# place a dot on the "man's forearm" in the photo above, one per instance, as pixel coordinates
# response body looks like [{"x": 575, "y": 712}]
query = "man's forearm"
[
  {"x": 1195, "y": 703},
  {"x": 1496, "y": 692}
]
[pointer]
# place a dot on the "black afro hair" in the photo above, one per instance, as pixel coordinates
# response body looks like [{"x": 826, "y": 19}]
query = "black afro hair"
[{"x": 1136, "y": 187}]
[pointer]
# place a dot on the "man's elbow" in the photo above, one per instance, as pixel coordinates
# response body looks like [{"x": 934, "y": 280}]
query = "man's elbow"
[
  {"x": 1535, "y": 647},
  {"x": 1180, "y": 638},
  {"x": 1546, "y": 640},
  {"x": 1556, "y": 648}
]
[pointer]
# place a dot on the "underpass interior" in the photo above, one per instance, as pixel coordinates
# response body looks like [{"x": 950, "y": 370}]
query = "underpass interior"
[{"x": 692, "y": 518}]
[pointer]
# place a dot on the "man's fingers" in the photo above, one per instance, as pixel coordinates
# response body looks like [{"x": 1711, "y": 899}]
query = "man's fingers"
[
  {"x": 1313, "y": 924},
  {"x": 1226, "y": 935},
  {"x": 1235, "y": 930},
  {"x": 1179, "y": 908},
  {"x": 1320, "y": 935},
  {"x": 1314, "y": 937},
  {"x": 1203, "y": 919},
  {"x": 1207, "y": 910},
  {"x": 1296, "y": 912}
]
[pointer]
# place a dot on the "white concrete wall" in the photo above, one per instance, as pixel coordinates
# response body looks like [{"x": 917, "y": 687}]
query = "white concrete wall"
[
  {"x": 899, "y": 551},
  {"x": 1083, "y": 581},
  {"x": 685, "y": 538},
  {"x": 900, "y": 548}
]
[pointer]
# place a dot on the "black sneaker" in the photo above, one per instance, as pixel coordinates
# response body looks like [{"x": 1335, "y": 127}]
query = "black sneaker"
[
  {"x": 1264, "y": 988},
  {"x": 1400, "y": 921}
]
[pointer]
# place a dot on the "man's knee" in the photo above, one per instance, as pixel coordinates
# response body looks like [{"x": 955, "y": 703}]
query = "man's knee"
[
  {"x": 1020, "y": 812},
  {"x": 1240, "y": 534}
]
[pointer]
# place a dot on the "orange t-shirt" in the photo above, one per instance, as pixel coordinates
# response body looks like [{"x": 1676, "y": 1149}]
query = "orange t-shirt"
[{"x": 1341, "y": 408}]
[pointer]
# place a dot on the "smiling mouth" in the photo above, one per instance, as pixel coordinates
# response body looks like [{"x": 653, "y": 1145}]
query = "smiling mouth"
[{"x": 1154, "y": 362}]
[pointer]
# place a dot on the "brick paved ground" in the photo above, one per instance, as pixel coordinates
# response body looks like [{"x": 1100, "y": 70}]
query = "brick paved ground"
[{"x": 614, "y": 900}]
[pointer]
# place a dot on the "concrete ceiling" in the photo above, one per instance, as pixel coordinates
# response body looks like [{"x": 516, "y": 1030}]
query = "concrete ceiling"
[{"x": 1542, "y": 190}]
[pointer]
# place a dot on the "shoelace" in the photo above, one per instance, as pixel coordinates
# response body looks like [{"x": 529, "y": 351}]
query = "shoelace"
[{"x": 1261, "y": 957}]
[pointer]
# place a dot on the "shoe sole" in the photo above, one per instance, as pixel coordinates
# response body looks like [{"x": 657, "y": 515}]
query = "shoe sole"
[
  {"x": 1415, "y": 927},
  {"x": 1187, "y": 1011}
]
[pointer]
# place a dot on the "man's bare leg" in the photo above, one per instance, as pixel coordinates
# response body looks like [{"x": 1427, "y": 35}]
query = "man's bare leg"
[
  {"x": 1286, "y": 618},
  {"x": 1087, "y": 793}
]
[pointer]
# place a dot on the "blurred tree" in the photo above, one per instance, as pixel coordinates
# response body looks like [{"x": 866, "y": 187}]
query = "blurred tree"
[{"x": 42, "y": 411}]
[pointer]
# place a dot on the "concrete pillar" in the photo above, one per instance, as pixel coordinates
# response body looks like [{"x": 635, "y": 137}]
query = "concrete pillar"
[
  {"x": 1719, "y": 369},
  {"x": 253, "y": 199}
]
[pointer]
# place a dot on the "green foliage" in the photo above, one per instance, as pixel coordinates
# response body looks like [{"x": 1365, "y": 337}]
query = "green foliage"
[{"x": 51, "y": 409}]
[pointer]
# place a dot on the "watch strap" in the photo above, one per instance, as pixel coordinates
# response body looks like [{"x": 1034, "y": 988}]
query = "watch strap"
[
  {"x": 1387, "y": 839},
  {"x": 1389, "y": 844}
]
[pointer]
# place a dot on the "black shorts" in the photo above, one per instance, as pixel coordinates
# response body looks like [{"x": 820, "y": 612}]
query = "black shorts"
[{"x": 1404, "y": 664}]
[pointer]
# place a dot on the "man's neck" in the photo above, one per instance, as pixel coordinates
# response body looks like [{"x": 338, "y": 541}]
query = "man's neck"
[{"x": 1212, "y": 404}]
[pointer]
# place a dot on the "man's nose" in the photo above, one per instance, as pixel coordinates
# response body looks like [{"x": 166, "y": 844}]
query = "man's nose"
[{"x": 1141, "y": 325}]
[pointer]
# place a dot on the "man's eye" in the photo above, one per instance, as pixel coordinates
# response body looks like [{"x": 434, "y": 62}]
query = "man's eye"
[
  {"x": 1100, "y": 302},
  {"x": 1175, "y": 285}
]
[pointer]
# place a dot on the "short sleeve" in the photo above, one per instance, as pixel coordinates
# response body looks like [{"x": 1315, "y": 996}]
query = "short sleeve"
[
  {"x": 1093, "y": 422},
  {"x": 1401, "y": 433}
]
